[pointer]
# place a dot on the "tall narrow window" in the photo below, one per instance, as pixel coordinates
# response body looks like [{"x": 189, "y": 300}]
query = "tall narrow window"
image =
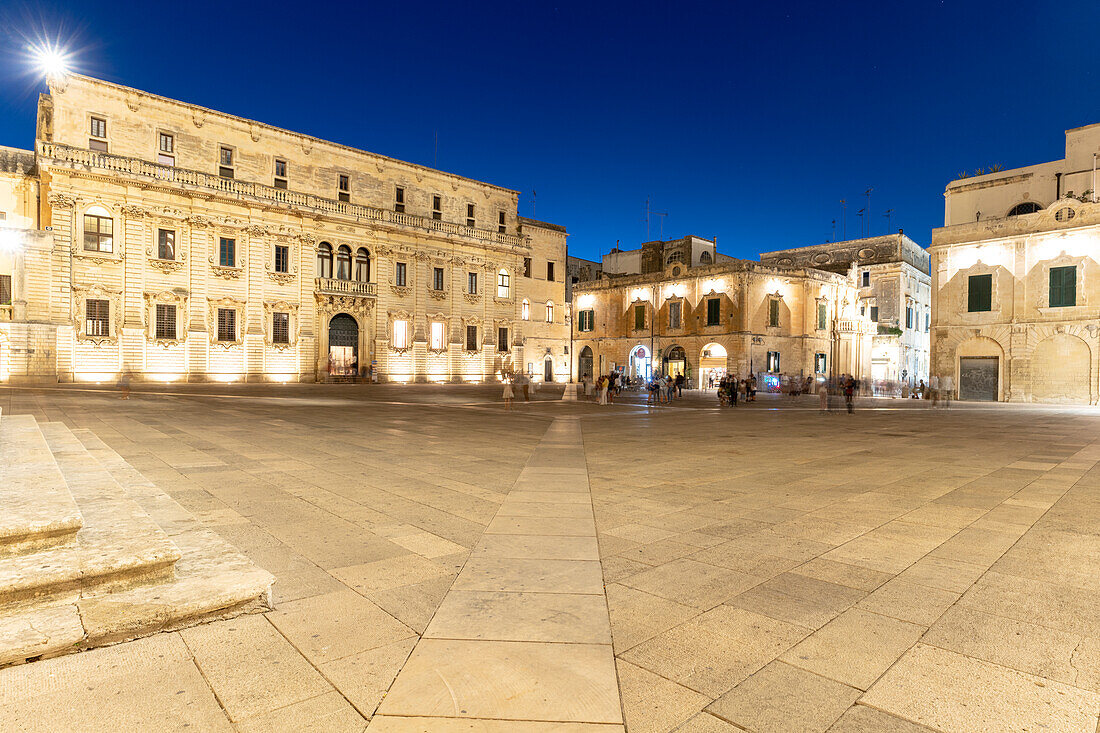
[
  {"x": 714, "y": 312},
  {"x": 225, "y": 162},
  {"x": 908, "y": 317},
  {"x": 585, "y": 320},
  {"x": 471, "y": 220},
  {"x": 874, "y": 313},
  {"x": 471, "y": 338},
  {"x": 343, "y": 263},
  {"x": 525, "y": 310},
  {"x": 437, "y": 207},
  {"x": 927, "y": 322},
  {"x": 822, "y": 316},
  {"x": 527, "y": 267},
  {"x": 819, "y": 363},
  {"x": 166, "y": 321},
  {"x": 400, "y": 334},
  {"x": 362, "y": 265},
  {"x": 773, "y": 312},
  {"x": 504, "y": 287},
  {"x": 437, "y": 336},
  {"x": 674, "y": 311},
  {"x": 280, "y": 173},
  {"x": 5, "y": 289},
  {"x": 280, "y": 328},
  {"x": 866, "y": 282},
  {"x": 1063, "y": 287},
  {"x": 166, "y": 244},
  {"x": 399, "y": 270},
  {"x": 227, "y": 324},
  {"x": 549, "y": 312},
  {"x": 501, "y": 227},
  {"x": 227, "y": 252},
  {"x": 471, "y": 283},
  {"x": 550, "y": 271},
  {"x": 324, "y": 260},
  {"x": 399, "y": 200},
  {"x": 979, "y": 293},
  {"x": 773, "y": 361},
  {"x": 98, "y": 233},
  {"x": 343, "y": 187},
  {"x": 166, "y": 148},
  {"x": 282, "y": 258},
  {"x": 502, "y": 339},
  {"x": 437, "y": 278},
  {"x": 97, "y": 131},
  {"x": 97, "y": 317},
  {"x": 639, "y": 317}
]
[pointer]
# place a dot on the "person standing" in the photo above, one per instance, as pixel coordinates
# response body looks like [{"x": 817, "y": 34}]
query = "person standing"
[
  {"x": 525, "y": 381},
  {"x": 849, "y": 394},
  {"x": 509, "y": 394},
  {"x": 823, "y": 395},
  {"x": 124, "y": 385}
]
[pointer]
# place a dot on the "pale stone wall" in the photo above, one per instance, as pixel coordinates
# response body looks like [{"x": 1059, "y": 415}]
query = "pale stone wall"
[
  {"x": 1045, "y": 353},
  {"x": 544, "y": 339}
]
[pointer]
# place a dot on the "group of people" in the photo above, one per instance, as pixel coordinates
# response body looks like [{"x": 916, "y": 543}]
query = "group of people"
[
  {"x": 521, "y": 380},
  {"x": 663, "y": 388},
  {"x": 731, "y": 390}
]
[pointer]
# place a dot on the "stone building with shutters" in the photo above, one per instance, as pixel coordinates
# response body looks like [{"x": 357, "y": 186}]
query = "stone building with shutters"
[
  {"x": 1016, "y": 281},
  {"x": 891, "y": 273},
  {"x": 733, "y": 316},
  {"x": 175, "y": 242}
]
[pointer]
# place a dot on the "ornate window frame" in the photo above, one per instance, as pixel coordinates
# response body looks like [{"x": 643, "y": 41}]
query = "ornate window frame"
[
  {"x": 239, "y": 254},
  {"x": 152, "y": 227},
  {"x": 116, "y": 214},
  {"x": 473, "y": 320},
  {"x": 438, "y": 317},
  {"x": 399, "y": 315},
  {"x": 238, "y": 305},
  {"x": 165, "y": 297},
  {"x": 293, "y": 327},
  {"x": 1042, "y": 297},
  {"x": 293, "y": 248},
  {"x": 80, "y": 295}
]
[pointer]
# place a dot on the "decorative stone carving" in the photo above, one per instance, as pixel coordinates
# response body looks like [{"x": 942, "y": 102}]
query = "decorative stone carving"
[
  {"x": 165, "y": 266},
  {"x": 255, "y": 230},
  {"x": 82, "y": 293},
  {"x": 401, "y": 291},
  {"x": 472, "y": 297},
  {"x": 227, "y": 273},
  {"x": 178, "y": 298},
  {"x": 437, "y": 294},
  {"x": 281, "y": 306},
  {"x": 61, "y": 201},
  {"x": 212, "y": 323},
  {"x": 330, "y": 305},
  {"x": 199, "y": 221},
  {"x": 133, "y": 211}
]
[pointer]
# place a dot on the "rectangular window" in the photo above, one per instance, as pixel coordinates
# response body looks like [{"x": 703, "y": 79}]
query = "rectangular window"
[
  {"x": 399, "y": 270},
  {"x": 471, "y": 283},
  {"x": 927, "y": 322},
  {"x": 549, "y": 312},
  {"x": 399, "y": 200},
  {"x": 280, "y": 173},
  {"x": 500, "y": 222},
  {"x": 471, "y": 338},
  {"x": 1063, "y": 287},
  {"x": 527, "y": 267},
  {"x": 874, "y": 313},
  {"x": 587, "y": 319},
  {"x": 503, "y": 284},
  {"x": 99, "y": 233},
  {"x": 437, "y": 335},
  {"x": 97, "y": 317},
  {"x": 5, "y": 289},
  {"x": 639, "y": 317},
  {"x": 819, "y": 363},
  {"x": 227, "y": 324},
  {"x": 773, "y": 361},
  {"x": 714, "y": 312},
  {"x": 166, "y": 148},
  {"x": 502, "y": 339},
  {"x": 550, "y": 271},
  {"x": 400, "y": 334},
  {"x": 822, "y": 316},
  {"x": 98, "y": 127},
  {"x": 979, "y": 293},
  {"x": 437, "y": 278},
  {"x": 280, "y": 328},
  {"x": 282, "y": 258},
  {"x": 100, "y": 146},
  {"x": 225, "y": 162},
  {"x": 674, "y": 314},
  {"x": 866, "y": 279},
  {"x": 471, "y": 221},
  {"x": 227, "y": 252},
  {"x": 166, "y": 321},
  {"x": 525, "y": 310},
  {"x": 343, "y": 187},
  {"x": 773, "y": 312},
  {"x": 166, "y": 244},
  {"x": 908, "y": 317},
  {"x": 437, "y": 207}
]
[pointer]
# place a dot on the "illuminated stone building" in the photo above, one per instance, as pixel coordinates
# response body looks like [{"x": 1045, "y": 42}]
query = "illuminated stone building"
[
  {"x": 732, "y": 316},
  {"x": 179, "y": 243},
  {"x": 1016, "y": 281}
]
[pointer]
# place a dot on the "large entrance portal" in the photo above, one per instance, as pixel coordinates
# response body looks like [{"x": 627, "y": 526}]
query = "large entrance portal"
[
  {"x": 712, "y": 364},
  {"x": 676, "y": 362},
  {"x": 1061, "y": 370},
  {"x": 978, "y": 378},
  {"x": 343, "y": 345},
  {"x": 639, "y": 364},
  {"x": 585, "y": 365}
]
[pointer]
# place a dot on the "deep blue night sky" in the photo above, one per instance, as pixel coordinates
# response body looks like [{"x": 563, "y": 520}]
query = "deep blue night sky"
[{"x": 749, "y": 121}]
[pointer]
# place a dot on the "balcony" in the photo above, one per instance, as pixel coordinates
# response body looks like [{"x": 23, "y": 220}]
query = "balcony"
[
  {"x": 330, "y": 286},
  {"x": 233, "y": 187}
]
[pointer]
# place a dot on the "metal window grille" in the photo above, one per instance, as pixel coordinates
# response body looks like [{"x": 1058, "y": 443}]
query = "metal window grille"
[
  {"x": 166, "y": 321},
  {"x": 97, "y": 316},
  {"x": 471, "y": 338},
  {"x": 227, "y": 324},
  {"x": 280, "y": 328},
  {"x": 5, "y": 289},
  {"x": 502, "y": 339}
]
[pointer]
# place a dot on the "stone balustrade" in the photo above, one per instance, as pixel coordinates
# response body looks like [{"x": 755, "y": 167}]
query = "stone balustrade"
[{"x": 331, "y": 286}]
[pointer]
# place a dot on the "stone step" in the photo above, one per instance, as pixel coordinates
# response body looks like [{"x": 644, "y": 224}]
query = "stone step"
[
  {"x": 118, "y": 544},
  {"x": 37, "y": 509}
]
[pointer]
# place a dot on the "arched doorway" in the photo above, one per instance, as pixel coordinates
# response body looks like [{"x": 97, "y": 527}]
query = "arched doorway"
[
  {"x": 1060, "y": 369},
  {"x": 712, "y": 364},
  {"x": 343, "y": 345},
  {"x": 639, "y": 363},
  {"x": 548, "y": 369},
  {"x": 585, "y": 367},
  {"x": 676, "y": 362}
]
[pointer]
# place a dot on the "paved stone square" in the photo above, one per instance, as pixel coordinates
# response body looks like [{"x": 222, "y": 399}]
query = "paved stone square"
[{"x": 445, "y": 564}]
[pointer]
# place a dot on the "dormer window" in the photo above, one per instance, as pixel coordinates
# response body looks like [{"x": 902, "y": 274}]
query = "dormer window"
[
  {"x": 97, "y": 132},
  {"x": 166, "y": 148},
  {"x": 225, "y": 162},
  {"x": 399, "y": 199},
  {"x": 343, "y": 187}
]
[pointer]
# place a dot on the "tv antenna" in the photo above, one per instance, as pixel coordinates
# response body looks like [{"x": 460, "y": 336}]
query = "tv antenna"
[
  {"x": 649, "y": 213},
  {"x": 862, "y": 222},
  {"x": 867, "y": 193},
  {"x": 843, "y": 226},
  {"x": 889, "y": 215},
  {"x": 534, "y": 194}
]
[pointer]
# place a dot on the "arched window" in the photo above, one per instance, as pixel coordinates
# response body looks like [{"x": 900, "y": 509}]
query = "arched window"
[
  {"x": 549, "y": 312},
  {"x": 503, "y": 284},
  {"x": 704, "y": 256},
  {"x": 324, "y": 260},
  {"x": 1027, "y": 207},
  {"x": 99, "y": 230},
  {"x": 362, "y": 265},
  {"x": 343, "y": 263},
  {"x": 675, "y": 257},
  {"x": 525, "y": 310}
]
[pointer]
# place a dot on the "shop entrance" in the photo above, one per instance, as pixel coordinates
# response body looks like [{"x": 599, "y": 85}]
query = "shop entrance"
[
  {"x": 639, "y": 364},
  {"x": 586, "y": 362},
  {"x": 343, "y": 345},
  {"x": 676, "y": 362},
  {"x": 712, "y": 364}
]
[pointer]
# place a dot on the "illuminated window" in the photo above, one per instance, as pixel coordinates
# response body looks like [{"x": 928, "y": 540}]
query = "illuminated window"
[
  {"x": 819, "y": 363},
  {"x": 400, "y": 334},
  {"x": 227, "y": 324},
  {"x": 97, "y": 317},
  {"x": 280, "y": 328},
  {"x": 549, "y": 312},
  {"x": 586, "y": 320},
  {"x": 166, "y": 244},
  {"x": 773, "y": 361},
  {"x": 437, "y": 334},
  {"x": 503, "y": 284},
  {"x": 166, "y": 321},
  {"x": 98, "y": 231},
  {"x": 525, "y": 310}
]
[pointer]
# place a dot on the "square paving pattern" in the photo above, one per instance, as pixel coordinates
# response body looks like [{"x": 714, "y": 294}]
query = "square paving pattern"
[{"x": 445, "y": 564}]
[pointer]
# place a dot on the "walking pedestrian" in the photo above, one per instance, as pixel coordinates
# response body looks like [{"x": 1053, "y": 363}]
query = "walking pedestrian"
[
  {"x": 849, "y": 394},
  {"x": 509, "y": 394}
]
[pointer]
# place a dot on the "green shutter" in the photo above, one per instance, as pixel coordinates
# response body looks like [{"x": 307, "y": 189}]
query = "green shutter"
[
  {"x": 1063, "y": 287},
  {"x": 821, "y": 316},
  {"x": 714, "y": 312},
  {"x": 979, "y": 293},
  {"x": 639, "y": 317},
  {"x": 773, "y": 312}
]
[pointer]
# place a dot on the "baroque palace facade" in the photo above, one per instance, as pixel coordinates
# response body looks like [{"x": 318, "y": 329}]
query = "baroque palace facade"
[
  {"x": 1016, "y": 281},
  {"x": 717, "y": 315},
  {"x": 156, "y": 237}
]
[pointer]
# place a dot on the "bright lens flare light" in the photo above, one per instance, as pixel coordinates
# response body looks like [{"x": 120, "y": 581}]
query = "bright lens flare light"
[{"x": 51, "y": 60}]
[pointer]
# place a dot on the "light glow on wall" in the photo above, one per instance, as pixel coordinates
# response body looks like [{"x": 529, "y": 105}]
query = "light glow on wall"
[
  {"x": 586, "y": 301},
  {"x": 715, "y": 285},
  {"x": 639, "y": 294},
  {"x": 1074, "y": 244},
  {"x": 992, "y": 255}
]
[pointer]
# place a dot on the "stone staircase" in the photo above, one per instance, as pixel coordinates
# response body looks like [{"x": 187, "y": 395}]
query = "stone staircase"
[{"x": 92, "y": 553}]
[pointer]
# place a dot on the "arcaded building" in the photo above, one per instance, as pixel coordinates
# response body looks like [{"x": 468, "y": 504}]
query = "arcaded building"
[
  {"x": 735, "y": 316},
  {"x": 891, "y": 273},
  {"x": 175, "y": 242}
]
